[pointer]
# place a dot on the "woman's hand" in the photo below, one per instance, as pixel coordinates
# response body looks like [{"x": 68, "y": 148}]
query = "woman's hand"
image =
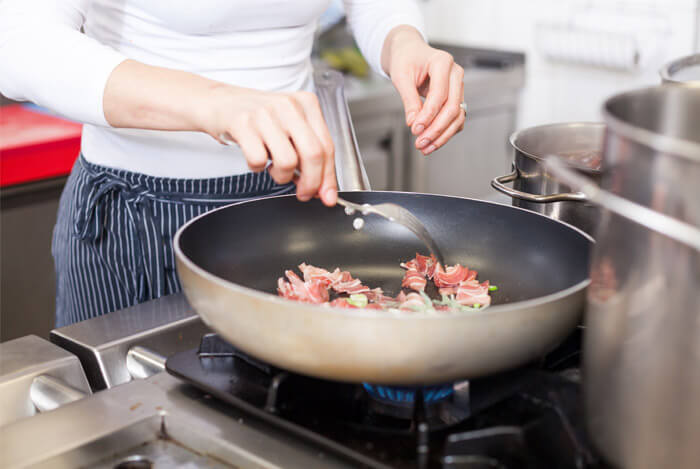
[
  {"x": 287, "y": 128},
  {"x": 416, "y": 69}
]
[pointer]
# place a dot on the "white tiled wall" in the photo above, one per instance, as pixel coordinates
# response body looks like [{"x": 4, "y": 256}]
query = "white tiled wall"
[{"x": 561, "y": 91}]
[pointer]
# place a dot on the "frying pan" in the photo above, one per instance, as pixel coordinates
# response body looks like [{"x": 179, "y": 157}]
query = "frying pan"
[{"x": 229, "y": 260}]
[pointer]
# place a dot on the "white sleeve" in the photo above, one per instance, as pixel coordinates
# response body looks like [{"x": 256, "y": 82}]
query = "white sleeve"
[
  {"x": 372, "y": 20},
  {"x": 45, "y": 58}
]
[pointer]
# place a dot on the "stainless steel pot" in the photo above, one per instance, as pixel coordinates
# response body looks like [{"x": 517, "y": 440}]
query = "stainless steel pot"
[
  {"x": 642, "y": 341},
  {"x": 535, "y": 189},
  {"x": 684, "y": 71}
]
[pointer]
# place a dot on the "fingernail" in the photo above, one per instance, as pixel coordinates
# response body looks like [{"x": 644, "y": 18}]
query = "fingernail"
[
  {"x": 430, "y": 149},
  {"x": 410, "y": 117},
  {"x": 329, "y": 194},
  {"x": 419, "y": 128},
  {"x": 423, "y": 142}
]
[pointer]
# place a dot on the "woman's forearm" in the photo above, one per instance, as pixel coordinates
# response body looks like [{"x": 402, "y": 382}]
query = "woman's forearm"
[
  {"x": 286, "y": 128},
  {"x": 147, "y": 97}
]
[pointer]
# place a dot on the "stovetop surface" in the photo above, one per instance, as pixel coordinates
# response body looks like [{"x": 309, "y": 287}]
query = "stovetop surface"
[{"x": 526, "y": 418}]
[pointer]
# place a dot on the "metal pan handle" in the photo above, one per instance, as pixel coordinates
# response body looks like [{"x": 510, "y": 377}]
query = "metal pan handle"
[
  {"x": 348, "y": 164},
  {"x": 349, "y": 168},
  {"x": 500, "y": 182},
  {"x": 663, "y": 224}
]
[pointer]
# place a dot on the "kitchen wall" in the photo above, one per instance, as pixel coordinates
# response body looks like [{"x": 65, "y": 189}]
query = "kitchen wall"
[{"x": 578, "y": 52}]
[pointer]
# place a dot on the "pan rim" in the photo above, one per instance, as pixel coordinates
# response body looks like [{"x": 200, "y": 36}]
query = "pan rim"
[{"x": 369, "y": 313}]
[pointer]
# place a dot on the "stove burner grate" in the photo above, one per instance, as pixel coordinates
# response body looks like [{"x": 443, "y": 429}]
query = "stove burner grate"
[{"x": 526, "y": 419}]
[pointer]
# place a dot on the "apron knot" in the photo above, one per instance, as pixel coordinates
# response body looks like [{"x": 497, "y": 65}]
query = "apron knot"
[{"x": 91, "y": 222}]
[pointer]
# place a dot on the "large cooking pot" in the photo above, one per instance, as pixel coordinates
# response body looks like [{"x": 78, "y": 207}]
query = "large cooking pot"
[
  {"x": 642, "y": 340},
  {"x": 580, "y": 145},
  {"x": 684, "y": 71}
]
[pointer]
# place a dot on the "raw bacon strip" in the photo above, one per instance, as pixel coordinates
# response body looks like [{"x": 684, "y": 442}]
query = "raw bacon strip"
[
  {"x": 340, "y": 281},
  {"x": 411, "y": 301},
  {"x": 313, "y": 291},
  {"x": 285, "y": 289},
  {"x": 416, "y": 272},
  {"x": 472, "y": 292},
  {"x": 414, "y": 280},
  {"x": 444, "y": 279},
  {"x": 450, "y": 277},
  {"x": 377, "y": 295},
  {"x": 318, "y": 291},
  {"x": 349, "y": 285},
  {"x": 426, "y": 265},
  {"x": 311, "y": 272}
]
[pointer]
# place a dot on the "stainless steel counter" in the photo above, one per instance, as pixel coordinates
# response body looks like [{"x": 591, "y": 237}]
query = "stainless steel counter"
[
  {"x": 133, "y": 342},
  {"x": 27, "y": 218},
  {"x": 159, "y": 418},
  {"x": 35, "y": 376}
]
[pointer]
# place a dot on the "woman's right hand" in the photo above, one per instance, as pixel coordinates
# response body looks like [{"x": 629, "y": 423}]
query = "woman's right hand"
[{"x": 286, "y": 128}]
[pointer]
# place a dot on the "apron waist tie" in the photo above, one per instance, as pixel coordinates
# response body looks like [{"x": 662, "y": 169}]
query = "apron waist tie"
[{"x": 90, "y": 224}]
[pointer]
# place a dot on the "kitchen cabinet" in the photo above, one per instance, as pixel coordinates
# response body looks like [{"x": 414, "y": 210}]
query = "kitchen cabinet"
[
  {"x": 27, "y": 280},
  {"x": 37, "y": 151}
]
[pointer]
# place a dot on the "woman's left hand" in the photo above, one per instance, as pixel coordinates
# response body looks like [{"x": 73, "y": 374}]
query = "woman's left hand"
[{"x": 416, "y": 69}]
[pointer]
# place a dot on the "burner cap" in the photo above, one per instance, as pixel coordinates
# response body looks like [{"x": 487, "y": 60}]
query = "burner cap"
[{"x": 406, "y": 395}]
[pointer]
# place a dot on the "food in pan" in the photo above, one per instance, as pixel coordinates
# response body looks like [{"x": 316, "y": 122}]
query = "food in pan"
[
  {"x": 457, "y": 286},
  {"x": 590, "y": 159}
]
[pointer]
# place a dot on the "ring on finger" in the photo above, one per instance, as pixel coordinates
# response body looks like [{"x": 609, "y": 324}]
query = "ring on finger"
[{"x": 463, "y": 106}]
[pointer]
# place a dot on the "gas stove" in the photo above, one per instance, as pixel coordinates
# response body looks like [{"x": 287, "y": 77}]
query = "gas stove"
[
  {"x": 220, "y": 407},
  {"x": 527, "y": 418}
]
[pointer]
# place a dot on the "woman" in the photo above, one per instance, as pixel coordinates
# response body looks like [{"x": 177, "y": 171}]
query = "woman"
[{"x": 158, "y": 82}]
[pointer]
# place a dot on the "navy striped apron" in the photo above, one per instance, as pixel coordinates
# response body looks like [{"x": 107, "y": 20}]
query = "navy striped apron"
[{"x": 112, "y": 244}]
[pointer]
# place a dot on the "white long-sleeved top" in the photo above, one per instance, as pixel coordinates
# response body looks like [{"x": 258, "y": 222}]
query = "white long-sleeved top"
[{"x": 262, "y": 44}]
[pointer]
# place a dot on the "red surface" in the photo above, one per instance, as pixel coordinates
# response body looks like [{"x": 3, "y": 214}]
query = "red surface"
[{"x": 35, "y": 145}]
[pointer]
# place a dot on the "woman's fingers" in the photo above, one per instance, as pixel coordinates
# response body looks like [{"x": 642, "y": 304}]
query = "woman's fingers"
[
  {"x": 252, "y": 146},
  {"x": 328, "y": 190},
  {"x": 455, "y": 126},
  {"x": 408, "y": 90},
  {"x": 289, "y": 130},
  {"x": 308, "y": 146},
  {"x": 449, "y": 112},
  {"x": 284, "y": 156},
  {"x": 439, "y": 70}
]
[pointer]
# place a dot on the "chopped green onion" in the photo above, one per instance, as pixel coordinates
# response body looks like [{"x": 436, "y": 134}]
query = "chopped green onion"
[
  {"x": 493, "y": 288},
  {"x": 426, "y": 299},
  {"x": 477, "y": 305},
  {"x": 358, "y": 299}
]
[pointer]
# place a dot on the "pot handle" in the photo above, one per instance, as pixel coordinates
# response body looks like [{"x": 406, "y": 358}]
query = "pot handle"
[
  {"x": 499, "y": 183},
  {"x": 668, "y": 226},
  {"x": 349, "y": 168}
]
